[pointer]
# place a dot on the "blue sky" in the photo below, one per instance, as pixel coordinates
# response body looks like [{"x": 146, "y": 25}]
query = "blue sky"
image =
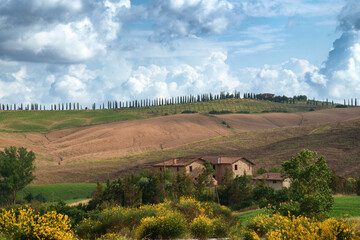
[{"x": 98, "y": 50}]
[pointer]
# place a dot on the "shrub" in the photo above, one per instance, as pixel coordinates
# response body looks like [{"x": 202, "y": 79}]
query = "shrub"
[
  {"x": 114, "y": 220},
  {"x": 213, "y": 209},
  {"x": 202, "y": 227},
  {"x": 286, "y": 227},
  {"x": 220, "y": 112},
  {"x": 220, "y": 228},
  {"x": 167, "y": 226},
  {"x": 188, "y": 111},
  {"x": 190, "y": 208},
  {"x": 109, "y": 236},
  {"x": 26, "y": 224},
  {"x": 341, "y": 106}
]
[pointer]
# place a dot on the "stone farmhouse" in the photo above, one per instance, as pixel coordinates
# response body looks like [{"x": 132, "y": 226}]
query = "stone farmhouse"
[
  {"x": 193, "y": 166},
  {"x": 273, "y": 179}
]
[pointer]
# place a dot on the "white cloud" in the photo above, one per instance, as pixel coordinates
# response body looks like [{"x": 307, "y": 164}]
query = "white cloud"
[
  {"x": 255, "y": 49},
  {"x": 349, "y": 18},
  {"x": 190, "y": 17},
  {"x": 273, "y": 8},
  {"x": 71, "y": 42}
]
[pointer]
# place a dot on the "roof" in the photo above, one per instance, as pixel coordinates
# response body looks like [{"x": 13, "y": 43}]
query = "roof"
[
  {"x": 184, "y": 161},
  {"x": 177, "y": 162},
  {"x": 214, "y": 160},
  {"x": 270, "y": 176}
]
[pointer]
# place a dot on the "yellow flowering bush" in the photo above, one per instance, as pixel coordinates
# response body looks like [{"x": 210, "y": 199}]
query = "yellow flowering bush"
[
  {"x": 115, "y": 219},
  {"x": 169, "y": 225},
  {"x": 190, "y": 208},
  {"x": 163, "y": 220},
  {"x": 26, "y": 224},
  {"x": 278, "y": 227},
  {"x": 202, "y": 227}
]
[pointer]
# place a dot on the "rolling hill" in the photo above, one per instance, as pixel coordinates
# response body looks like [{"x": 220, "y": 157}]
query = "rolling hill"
[{"x": 95, "y": 152}]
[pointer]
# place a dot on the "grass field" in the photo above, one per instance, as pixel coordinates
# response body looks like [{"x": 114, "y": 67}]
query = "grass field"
[
  {"x": 344, "y": 206},
  {"x": 68, "y": 192},
  {"x": 44, "y": 121},
  {"x": 250, "y": 214},
  {"x": 349, "y": 205}
]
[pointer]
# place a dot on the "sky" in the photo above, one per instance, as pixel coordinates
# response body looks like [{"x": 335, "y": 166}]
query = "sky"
[{"x": 94, "y": 51}]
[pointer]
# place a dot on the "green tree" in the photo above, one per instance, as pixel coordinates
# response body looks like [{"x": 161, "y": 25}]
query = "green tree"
[
  {"x": 310, "y": 184},
  {"x": 16, "y": 171},
  {"x": 202, "y": 191}
]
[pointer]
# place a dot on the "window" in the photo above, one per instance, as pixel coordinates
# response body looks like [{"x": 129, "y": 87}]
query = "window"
[
  {"x": 235, "y": 167},
  {"x": 190, "y": 168},
  {"x": 274, "y": 181},
  {"x": 177, "y": 169},
  {"x": 160, "y": 169},
  {"x": 214, "y": 167}
]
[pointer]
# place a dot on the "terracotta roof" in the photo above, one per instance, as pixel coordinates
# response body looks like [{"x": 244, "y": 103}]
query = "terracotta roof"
[
  {"x": 270, "y": 176},
  {"x": 225, "y": 160},
  {"x": 184, "y": 161},
  {"x": 177, "y": 162}
]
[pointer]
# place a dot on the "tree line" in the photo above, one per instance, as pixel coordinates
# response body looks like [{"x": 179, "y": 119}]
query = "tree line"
[{"x": 175, "y": 100}]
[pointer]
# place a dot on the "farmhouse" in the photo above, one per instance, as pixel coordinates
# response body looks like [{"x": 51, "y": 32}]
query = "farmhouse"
[
  {"x": 193, "y": 166},
  {"x": 273, "y": 179},
  {"x": 236, "y": 165}
]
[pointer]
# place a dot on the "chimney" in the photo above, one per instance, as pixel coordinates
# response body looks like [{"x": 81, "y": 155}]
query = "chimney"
[{"x": 219, "y": 160}]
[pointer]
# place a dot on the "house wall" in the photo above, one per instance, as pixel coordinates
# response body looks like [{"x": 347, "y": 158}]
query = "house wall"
[
  {"x": 220, "y": 171},
  {"x": 197, "y": 167},
  {"x": 242, "y": 167},
  {"x": 286, "y": 183},
  {"x": 277, "y": 185}
]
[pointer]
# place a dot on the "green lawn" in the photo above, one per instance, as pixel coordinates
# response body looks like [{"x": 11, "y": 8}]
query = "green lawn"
[
  {"x": 345, "y": 205},
  {"x": 349, "y": 205},
  {"x": 250, "y": 214},
  {"x": 65, "y": 192}
]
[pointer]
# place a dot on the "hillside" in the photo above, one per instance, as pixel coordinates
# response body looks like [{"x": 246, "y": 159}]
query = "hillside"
[
  {"x": 45, "y": 121},
  {"x": 91, "y": 153}
]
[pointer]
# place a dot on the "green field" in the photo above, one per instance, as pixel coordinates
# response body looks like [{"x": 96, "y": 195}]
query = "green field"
[
  {"x": 344, "y": 206},
  {"x": 349, "y": 205},
  {"x": 44, "y": 121},
  {"x": 250, "y": 214},
  {"x": 57, "y": 192}
]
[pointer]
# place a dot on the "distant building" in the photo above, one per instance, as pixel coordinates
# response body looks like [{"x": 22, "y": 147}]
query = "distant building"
[
  {"x": 193, "y": 166},
  {"x": 268, "y": 95},
  {"x": 238, "y": 166},
  {"x": 273, "y": 179}
]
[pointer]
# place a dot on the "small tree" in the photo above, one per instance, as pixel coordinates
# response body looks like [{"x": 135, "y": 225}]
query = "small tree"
[
  {"x": 310, "y": 184},
  {"x": 204, "y": 179},
  {"x": 16, "y": 171}
]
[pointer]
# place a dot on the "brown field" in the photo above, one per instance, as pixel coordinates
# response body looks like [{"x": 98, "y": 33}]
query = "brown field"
[{"x": 88, "y": 154}]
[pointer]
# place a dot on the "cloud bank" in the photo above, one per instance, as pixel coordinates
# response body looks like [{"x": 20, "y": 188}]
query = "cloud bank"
[{"x": 95, "y": 51}]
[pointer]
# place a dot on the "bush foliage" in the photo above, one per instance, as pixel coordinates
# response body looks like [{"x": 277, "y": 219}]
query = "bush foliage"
[
  {"x": 298, "y": 227},
  {"x": 25, "y": 223}
]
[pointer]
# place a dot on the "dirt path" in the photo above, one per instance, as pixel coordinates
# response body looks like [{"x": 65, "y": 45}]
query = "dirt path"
[{"x": 86, "y": 201}]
